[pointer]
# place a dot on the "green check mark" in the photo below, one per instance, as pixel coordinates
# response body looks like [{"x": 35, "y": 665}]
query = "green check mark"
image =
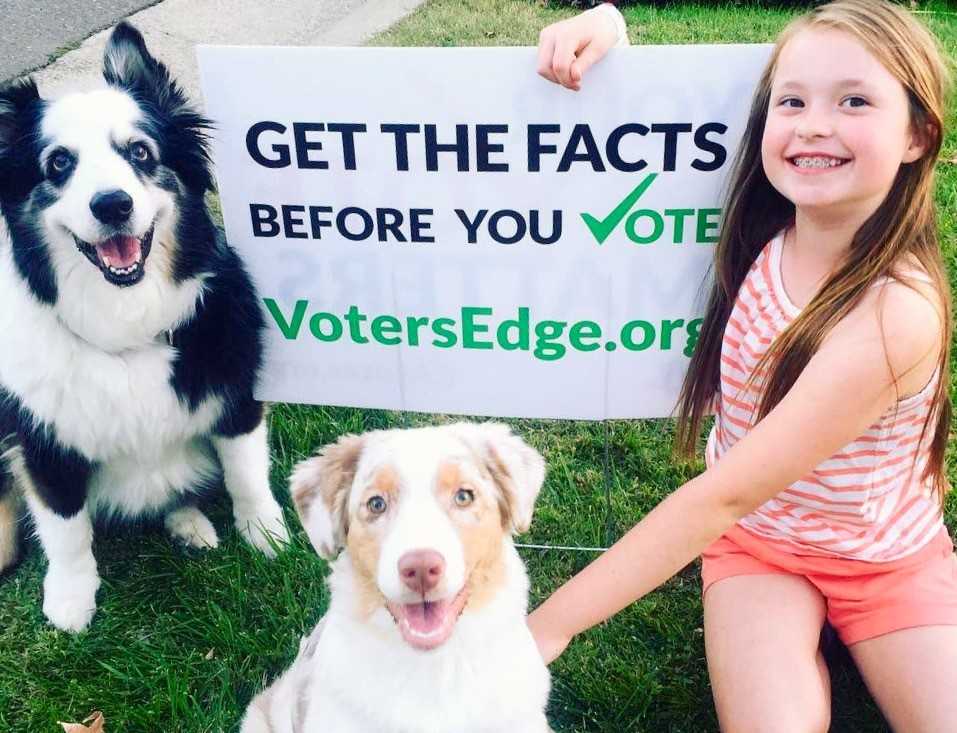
[{"x": 601, "y": 228}]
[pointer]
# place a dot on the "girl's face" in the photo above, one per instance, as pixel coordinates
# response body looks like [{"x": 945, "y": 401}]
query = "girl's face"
[{"x": 838, "y": 126}]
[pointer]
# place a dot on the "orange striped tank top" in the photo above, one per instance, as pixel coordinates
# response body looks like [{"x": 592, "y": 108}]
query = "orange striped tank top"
[{"x": 864, "y": 502}]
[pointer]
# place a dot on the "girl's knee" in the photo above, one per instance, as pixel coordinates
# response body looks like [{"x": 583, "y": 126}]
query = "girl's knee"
[{"x": 778, "y": 719}]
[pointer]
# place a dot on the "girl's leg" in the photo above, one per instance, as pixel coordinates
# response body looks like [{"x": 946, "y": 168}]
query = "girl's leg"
[
  {"x": 762, "y": 635},
  {"x": 911, "y": 675}
]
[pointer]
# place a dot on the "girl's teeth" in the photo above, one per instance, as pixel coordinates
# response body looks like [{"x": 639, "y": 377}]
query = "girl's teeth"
[{"x": 817, "y": 162}]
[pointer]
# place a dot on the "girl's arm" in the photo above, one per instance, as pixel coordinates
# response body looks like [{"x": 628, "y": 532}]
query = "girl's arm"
[
  {"x": 568, "y": 48},
  {"x": 844, "y": 389}
]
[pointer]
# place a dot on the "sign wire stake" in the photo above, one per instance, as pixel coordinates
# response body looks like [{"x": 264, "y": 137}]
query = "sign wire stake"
[{"x": 609, "y": 511}]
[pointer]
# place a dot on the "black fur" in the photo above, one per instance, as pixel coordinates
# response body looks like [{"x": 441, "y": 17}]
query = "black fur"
[
  {"x": 21, "y": 111},
  {"x": 31, "y": 258},
  {"x": 59, "y": 474},
  {"x": 220, "y": 349}
]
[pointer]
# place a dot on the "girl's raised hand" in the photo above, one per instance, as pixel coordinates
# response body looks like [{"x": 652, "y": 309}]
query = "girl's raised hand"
[{"x": 566, "y": 49}]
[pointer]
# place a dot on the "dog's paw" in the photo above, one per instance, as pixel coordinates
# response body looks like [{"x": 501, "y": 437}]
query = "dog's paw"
[
  {"x": 69, "y": 601},
  {"x": 263, "y": 527},
  {"x": 191, "y": 527}
]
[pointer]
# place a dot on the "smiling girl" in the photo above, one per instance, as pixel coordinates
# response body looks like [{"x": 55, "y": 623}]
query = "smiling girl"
[{"x": 825, "y": 357}]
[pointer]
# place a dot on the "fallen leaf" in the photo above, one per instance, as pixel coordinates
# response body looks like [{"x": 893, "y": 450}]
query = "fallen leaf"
[
  {"x": 93, "y": 724},
  {"x": 210, "y": 654}
]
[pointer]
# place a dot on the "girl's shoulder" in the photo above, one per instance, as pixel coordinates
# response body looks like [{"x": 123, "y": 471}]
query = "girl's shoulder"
[
  {"x": 901, "y": 319},
  {"x": 909, "y": 292}
]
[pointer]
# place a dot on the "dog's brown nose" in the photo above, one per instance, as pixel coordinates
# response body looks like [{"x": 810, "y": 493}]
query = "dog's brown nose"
[{"x": 421, "y": 570}]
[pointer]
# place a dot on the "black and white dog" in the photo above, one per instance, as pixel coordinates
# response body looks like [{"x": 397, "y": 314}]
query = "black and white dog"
[{"x": 130, "y": 334}]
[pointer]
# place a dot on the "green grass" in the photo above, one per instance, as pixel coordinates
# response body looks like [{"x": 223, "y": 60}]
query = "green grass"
[{"x": 182, "y": 640}]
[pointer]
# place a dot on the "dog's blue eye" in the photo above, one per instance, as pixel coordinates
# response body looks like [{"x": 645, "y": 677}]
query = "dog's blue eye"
[
  {"x": 376, "y": 505},
  {"x": 139, "y": 152},
  {"x": 464, "y": 497},
  {"x": 60, "y": 161}
]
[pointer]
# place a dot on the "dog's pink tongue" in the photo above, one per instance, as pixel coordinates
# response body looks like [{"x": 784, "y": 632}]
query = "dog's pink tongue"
[
  {"x": 119, "y": 251},
  {"x": 426, "y": 618},
  {"x": 426, "y": 625}
]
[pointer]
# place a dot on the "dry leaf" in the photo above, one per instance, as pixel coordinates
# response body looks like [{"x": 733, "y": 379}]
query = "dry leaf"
[
  {"x": 210, "y": 654},
  {"x": 93, "y": 724}
]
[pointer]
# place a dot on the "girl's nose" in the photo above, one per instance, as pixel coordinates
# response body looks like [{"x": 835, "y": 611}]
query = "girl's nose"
[{"x": 813, "y": 123}]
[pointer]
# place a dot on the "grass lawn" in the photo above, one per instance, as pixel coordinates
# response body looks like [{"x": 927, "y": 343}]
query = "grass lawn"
[{"x": 182, "y": 640}]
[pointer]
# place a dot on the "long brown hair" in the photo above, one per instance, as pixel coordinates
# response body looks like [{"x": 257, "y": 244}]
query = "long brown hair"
[{"x": 902, "y": 228}]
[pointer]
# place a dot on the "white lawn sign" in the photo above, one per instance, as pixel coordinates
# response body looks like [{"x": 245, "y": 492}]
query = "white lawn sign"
[{"x": 441, "y": 230}]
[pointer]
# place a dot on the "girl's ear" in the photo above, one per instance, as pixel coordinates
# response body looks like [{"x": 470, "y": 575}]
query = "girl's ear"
[{"x": 921, "y": 141}]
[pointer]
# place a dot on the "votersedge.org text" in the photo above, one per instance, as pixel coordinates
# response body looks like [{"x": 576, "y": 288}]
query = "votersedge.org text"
[{"x": 478, "y": 328}]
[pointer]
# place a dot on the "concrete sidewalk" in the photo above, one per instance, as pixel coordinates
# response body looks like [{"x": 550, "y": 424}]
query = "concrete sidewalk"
[
  {"x": 36, "y": 30},
  {"x": 173, "y": 29}
]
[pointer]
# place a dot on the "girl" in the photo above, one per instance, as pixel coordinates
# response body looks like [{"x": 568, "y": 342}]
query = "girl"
[{"x": 825, "y": 355}]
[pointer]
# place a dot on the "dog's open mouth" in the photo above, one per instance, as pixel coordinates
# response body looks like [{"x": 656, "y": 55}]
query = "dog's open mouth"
[
  {"x": 428, "y": 624},
  {"x": 120, "y": 258}
]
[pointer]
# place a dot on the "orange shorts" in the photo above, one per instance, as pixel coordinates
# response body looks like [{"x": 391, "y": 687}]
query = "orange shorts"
[{"x": 864, "y": 599}]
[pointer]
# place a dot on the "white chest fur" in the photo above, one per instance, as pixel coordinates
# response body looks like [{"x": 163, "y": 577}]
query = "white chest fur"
[
  {"x": 117, "y": 408},
  {"x": 487, "y": 678}
]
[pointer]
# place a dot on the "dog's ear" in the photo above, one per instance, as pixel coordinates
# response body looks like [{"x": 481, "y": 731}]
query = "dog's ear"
[
  {"x": 320, "y": 490},
  {"x": 20, "y": 107},
  {"x": 126, "y": 62},
  {"x": 16, "y": 99},
  {"x": 517, "y": 469},
  {"x": 129, "y": 65}
]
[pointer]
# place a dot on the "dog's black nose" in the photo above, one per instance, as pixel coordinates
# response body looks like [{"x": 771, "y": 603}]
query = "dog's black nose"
[{"x": 112, "y": 207}]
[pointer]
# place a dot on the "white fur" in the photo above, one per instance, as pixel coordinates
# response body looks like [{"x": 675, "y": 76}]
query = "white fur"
[
  {"x": 246, "y": 463},
  {"x": 71, "y": 581},
  {"x": 488, "y": 677},
  {"x": 191, "y": 527},
  {"x": 114, "y": 408}
]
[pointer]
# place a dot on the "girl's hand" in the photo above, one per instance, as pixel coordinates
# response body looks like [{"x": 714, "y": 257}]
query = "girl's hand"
[
  {"x": 551, "y": 643},
  {"x": 568, "y": 48}
]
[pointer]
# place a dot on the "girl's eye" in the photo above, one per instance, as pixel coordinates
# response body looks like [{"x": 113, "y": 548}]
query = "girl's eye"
[
  {"x": 377, "y": 505},
  {"x": 793, "y": 102},
  {"x": 139, "y": 152},
  {"x": 464, "y": 497},
  {"x": 60, "y": 161},
  {"x": 854, "y": 102}
]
